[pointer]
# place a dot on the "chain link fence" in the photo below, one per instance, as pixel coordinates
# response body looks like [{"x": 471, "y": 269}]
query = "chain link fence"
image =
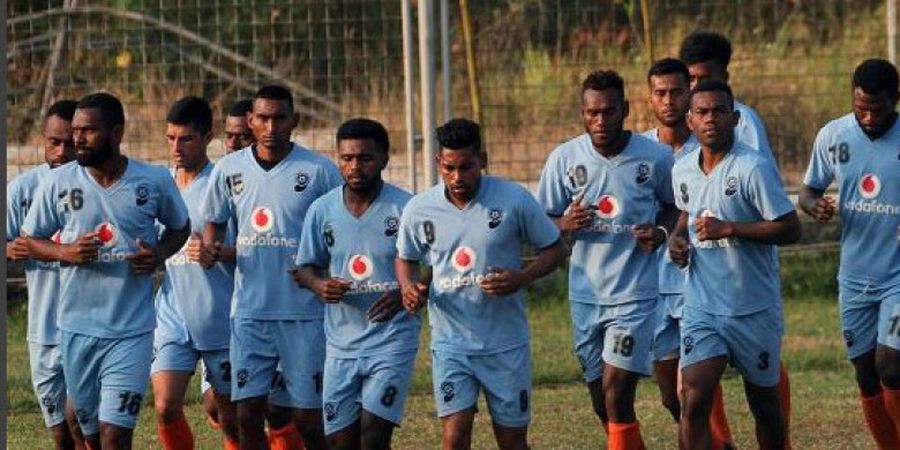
[{"x": 343, "y": 58}]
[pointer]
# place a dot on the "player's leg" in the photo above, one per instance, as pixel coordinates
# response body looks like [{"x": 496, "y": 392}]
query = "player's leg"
[
  {"x": 301, "y": 350},
  {"x": 170, "y": 373},
  {"x": 217, "y": 373},
  {"x": 666, "y": 341},
  {"x": 384, "y": 390},
  {"x": 887, "y": 353},
  {"x": 283, "y": 435},
  {"x": 506, "y": 378},
  {"x": 73, "y": 427},
  {"x": 376, "y": 432},
  {"x": 50, "y": 387},
  {"x": 209, "y": 399},
  {"x": 81, "y": 368},
  {"x": 586, "y": 330},
  {"x": 455, "y": 394},
  {"x": 124, "y": 375},
  {"x": 703, "y": 360},
  {"x": 784, "y": 402},
  {"x": 253, "y": 359},
  {"x": 341, "y": 394}
]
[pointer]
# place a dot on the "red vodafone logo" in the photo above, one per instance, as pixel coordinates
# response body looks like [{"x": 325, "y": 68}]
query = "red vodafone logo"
[
  {"x": 607, "y": 207},
  {"x": 463, "y": 259},
  {"x": 107, "y": 234},
  {"x": 360, "y": 267},
  {"x": 261, "y": 219},
  {"x": 869, "y": 185}
]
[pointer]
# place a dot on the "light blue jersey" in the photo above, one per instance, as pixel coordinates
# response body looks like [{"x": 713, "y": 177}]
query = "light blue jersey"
[
  {"x": 460, "y": 245},
  {"x": 751, "y": 131},
  {"x": 105, "y": 298},
  {"x": 607, "y": 267},
  {"x": 671, "y": 277},
  {"x": 42, "y": 277},
  {"x": 193, "y": 304},
  {"x": 868, "y": 180},
  {"x": 361, "y": 250},
  {"x": 730, "y": 276},
  {"x": 269, "y": 207}
]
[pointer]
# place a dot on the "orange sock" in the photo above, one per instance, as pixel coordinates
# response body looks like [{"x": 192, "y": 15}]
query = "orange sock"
[
  {"x": 718, "y": 422},
  {"x": 892, "y": 404},
  {"x": 784, "y": 400},
  {"x": 879, "y": 422},
  {"x": 176, "y": 435},
  {"x": 605, "y": 425},
  {"x": 285, "y": 438},
  {"x": 625, "y": 436},
  {"x": 231, "y": 445}
]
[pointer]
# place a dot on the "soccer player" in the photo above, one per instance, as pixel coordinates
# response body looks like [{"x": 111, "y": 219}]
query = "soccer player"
[
  {"x": 734, "y": 213},
  {"x": 238, "y": 134},
  {"x": 860, "y": 151},
  {"x": 470, "y": 230},
  {"x": 107, "y": 207},
  {"x": 351, "y": 235},
  {"x": 192, "y": 303},
  {"x": 610, "y": 191},
  {"x": 267, "y": 188},
  {"x": 43, "y": 281}
]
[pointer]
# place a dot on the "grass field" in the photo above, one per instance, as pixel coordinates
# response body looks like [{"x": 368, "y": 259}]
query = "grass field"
[{"x": 825, "y": 407}]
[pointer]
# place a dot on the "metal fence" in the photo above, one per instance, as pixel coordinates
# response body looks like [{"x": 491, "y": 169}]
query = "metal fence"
[{"x": 345, "y": 58}]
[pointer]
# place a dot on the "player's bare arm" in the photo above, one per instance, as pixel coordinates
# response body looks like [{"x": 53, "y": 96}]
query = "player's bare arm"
[
  {"x": 781, "y": 231},
  {"x": 507, "y": 281},
  {"x": 816, "y": 204},
  {"x": 679, "y": 246},
  {"x": 17, "y": 249},
  {"x": 577, "y": 216},
  {"x": 649, "y": 236},
  {"x": 148, "y": 258},
  {"x": 329, "y": 289},
  {"x": 81, "y": 251},
  {"x": 413, "y": 291},
  {"x": 385, "y": 307}
]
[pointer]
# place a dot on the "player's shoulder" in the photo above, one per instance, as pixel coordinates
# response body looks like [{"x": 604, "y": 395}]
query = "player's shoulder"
[
  {"x": 571, "y": 148},
  {"x": 29, "y": 179},
  {"x": 644, "y": 147},
  {"x": 837, "y": 127},
  {"x": 232, "y": 159},
  {"x": 310, "y": 156},
  {"x": 158, "y": 174},
  {"x": 323, "y": 203},
  {"x": 395, "y": 194},
  {"x": 747, "y": 158},
  {"x": 425, "y": 198}
]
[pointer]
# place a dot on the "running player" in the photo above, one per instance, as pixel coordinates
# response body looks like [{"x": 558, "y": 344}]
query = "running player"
[
  {"x": 43, "y": 281},
  {"x": 610, "y": 190},
  {"x": 267, "y": 188},
  {"x": 107, "y": 207},
  {"x": 238, "y": 134},
  {"x": 734, "y": 212},
  {"x": 860, "y": 151},
  {"x": 350, "y": 234},
  {"x": 470, "y": 230},
  {"x": 192, "y": 303}
]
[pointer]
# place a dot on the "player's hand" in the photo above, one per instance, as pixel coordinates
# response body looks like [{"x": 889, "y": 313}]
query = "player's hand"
[
  {"x": 201, "y": 253},
  {"x": 824, "y": 209},
  {"x": 17, "y": 249},
  {"x": 332, "y": 289},
  {"x": 577, "y": 216},
  {"x": 83, "y": 250},
  {"x": 710, "y": 228},
  {"x": 500, "y": 282},
  {"x": 414, "y": 296},
  {"x": 679, "y": 250},
  {"x": 648, "y": 237},
  {"x": 385, "y": 307},
  {"x": 145, "y": 260}
]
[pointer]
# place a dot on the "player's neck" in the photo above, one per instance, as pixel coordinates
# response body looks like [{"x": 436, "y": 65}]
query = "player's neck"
[
  {"x": 184, "y": 176},
  {"x": 269, "y": 157},
  {"x": 358, "y": 202},
  {"x": 710, "y": 158},
  {"x": 674, "y": 137},
  {"x": 108, "y": 172},
  {"x": 616, "y": 147}
]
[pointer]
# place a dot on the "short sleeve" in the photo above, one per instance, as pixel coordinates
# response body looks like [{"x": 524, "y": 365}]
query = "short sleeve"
[
  {"x": 409, "y": 246},
  {"x": 15, "y": 210},
  {"x": 42, "y": 220},
  {"x": 172, "y": 213},
  {"x": 537, "y": 229},
  {"x": 552, "y": 194},
  {"x": 217, "y": 207},
  {"x": 312, "y": 250},
  {"x": 766, "y": 192},
  {"x": 820, "y": 172},
  {"x": 664, "y": 178}
]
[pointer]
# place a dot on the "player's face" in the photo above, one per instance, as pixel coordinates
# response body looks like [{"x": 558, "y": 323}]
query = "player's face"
[
  {"x": 237, "y": 133},
  {"x": 707, "y": 70},
  {"x": 461, "y": 172},
  {"x": 272, "y": 122},
  {"x": 94, "y": 139},
  {"x": 712, "y": 119},
  {"x": 874, "y": 113},
  {"x": 604, "y": 114},
  {"x": 361, "y": 163},
  {"x": 187, "y": 146},
  {"x": 58, "y": 145},
  {"x": 670, "y": 98}
]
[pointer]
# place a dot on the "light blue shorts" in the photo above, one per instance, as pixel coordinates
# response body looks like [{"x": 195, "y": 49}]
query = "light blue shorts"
[
  {"x": 505, "y": 378},
  {"x": 620, "y": 335},
  {"x": 869, "y": 316},
  {"x": 48, "y": 381},
  {"x": 377, "y": 384},
  {"x": 172, "y": 355},
  {"x": 667, "y": 335},
  {"x": 106, "y": 378}
]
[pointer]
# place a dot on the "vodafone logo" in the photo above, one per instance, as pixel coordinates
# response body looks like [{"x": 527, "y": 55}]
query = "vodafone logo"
[
  {"x": 261, "y": 219},
  {"x": 360, "y": 267},
  {"x": 107, "y": 233},
  {"x": 607, "y": 207},
  {"x": 869, "y": 186},
  {"x": 56, "y": 238},
  {"x": 463, "y": 259}
]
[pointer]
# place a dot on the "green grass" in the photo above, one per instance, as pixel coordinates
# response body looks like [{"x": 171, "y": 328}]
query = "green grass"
[{"x": 826, "y": 414}]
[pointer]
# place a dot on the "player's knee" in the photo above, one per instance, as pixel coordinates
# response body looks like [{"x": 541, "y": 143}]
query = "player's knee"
[
  {"x": 458, "y": 437},
  {"x": 114, "y": 437},
  {"x": 250, "y": 413},
  {"x": 61, "y": 436},
  {"x": 310, "y": 426},
  {"x": 764, "y": 403},
  {"x": 671, "y": 403},
  {"x": 168, "y": 410}
]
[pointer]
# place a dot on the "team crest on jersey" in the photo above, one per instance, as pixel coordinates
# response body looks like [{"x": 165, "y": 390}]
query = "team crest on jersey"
[
  {"x": 607, "y": 207},
  {"x": 242, "y": 377},
  {"x": 684, "y": 192},
  {"x": 642, "y": 173},
  {"x": 731, "y": 186},
  {"x": 141, "y": 195},
  {"x": 463, "y": 259},
  {"x": 448, "y": 389},
  {"x": 869, "y": 186},
  {"x": 391, "y": 226},
  {"x": 302, "y": 182},
  {"x": 496, "y": 216},
  {"x": 328, "y": 235},
  {"x": 234, "y": 184},
  {"x": 577, "y": 176},
  {"x": 330, "y": 411},
  {"x": 107, "y": 234},
  {"x": 360, "y": 267},
  {"x": 261, "y": 219}
]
